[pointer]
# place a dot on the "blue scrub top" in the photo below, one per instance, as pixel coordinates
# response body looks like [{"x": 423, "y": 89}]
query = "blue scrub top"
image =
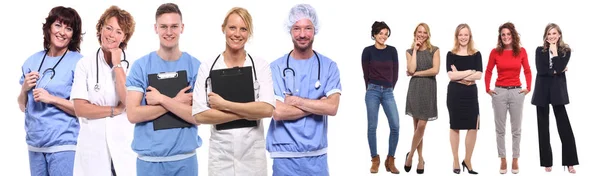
[
  {"x": 306, "y": 134},
  {"x": 167, "y": 142},
  {"x": 48, "y": 128}
]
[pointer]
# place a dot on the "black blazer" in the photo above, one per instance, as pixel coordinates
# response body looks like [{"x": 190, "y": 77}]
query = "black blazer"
[{"x": 550, "y": 87}]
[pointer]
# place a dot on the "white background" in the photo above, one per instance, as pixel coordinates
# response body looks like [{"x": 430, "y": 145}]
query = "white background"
[{"x": 345, "y": 31}]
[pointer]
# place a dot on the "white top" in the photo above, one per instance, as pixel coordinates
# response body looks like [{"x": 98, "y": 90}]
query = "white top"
[
  {"x": 239, "y": 151},
  {"x": 105, "y": 138}
]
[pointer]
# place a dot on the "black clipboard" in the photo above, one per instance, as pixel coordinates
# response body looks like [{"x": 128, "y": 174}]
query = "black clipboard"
[
  {"x": 169, "y": 84},
  {"x": 236, "y": 85}
]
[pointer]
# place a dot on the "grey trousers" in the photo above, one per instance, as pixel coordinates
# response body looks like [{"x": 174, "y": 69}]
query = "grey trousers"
[{"x": 511, "y": 101}]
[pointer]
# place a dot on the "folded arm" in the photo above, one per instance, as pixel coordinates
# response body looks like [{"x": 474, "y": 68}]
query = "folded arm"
[
  {"x": 136, "y": 113},
  {"x": 287, "y": 112}
]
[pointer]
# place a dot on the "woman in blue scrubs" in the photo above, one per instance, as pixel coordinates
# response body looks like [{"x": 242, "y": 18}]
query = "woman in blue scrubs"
[{"x": 50, "y": 123}]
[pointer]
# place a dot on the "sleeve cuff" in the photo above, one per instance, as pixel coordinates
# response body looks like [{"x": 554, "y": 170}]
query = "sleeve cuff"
[
  {"x": 334, "y": 91},
  {"x": 135, "y": 88},
  {"x": 279, "y": 98}
]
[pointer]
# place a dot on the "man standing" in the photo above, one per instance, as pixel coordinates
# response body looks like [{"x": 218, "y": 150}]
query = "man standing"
[
  {"x": 307, "y": 88},
  {"x": 172, "y": 150}
]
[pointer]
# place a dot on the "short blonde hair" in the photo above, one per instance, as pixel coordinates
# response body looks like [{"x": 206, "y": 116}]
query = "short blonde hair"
[
  {"x": 243, "y": 13},
  {"x": 124, "y": 19}
]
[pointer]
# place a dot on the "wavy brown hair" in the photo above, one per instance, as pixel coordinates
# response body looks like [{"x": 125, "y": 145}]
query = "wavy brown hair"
[
  {"x": 124, "y": 19},
  {"x": 562, "y": 46},
  {"x": 68, "y": 16},
  {"x": 516, "y": 40}
]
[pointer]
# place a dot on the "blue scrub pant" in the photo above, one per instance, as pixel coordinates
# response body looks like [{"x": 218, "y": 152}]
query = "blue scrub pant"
[
  {"x": 51, "y": 164},
  {"x": 184, "y": 167},
  {"x": 314, "y": 166}
]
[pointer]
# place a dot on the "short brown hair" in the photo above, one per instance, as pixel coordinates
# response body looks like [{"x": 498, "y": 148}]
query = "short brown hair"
[
  {"x": 68, "y": 16},
  {"x": 124, "y": 19},
  {"x": 168, "y": 8}
]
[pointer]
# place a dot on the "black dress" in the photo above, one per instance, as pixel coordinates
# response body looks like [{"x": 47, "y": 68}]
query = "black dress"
[{"x": 462, "y": 100}]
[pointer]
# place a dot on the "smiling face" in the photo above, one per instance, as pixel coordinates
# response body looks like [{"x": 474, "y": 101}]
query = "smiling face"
[
  {"x": 236, "y": 32},
  {"x": 421, "y": 34},
  {"x": 111, "y": 35},
  {"x": 60, "y": 35},
  {"x": 303, "y": 32},
  {"x": 552, "y": 36},
  {"x": 382, "y": 36},
  {"x": 168, "y": 27},
  {"x": 464, "y": 37},
  {"x": 506, "y": 37}
]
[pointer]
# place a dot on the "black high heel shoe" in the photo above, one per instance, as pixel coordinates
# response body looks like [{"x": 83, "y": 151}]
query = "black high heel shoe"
[
  {"x": 407, "y": 168},
  {"x": 469, "y": 170},
  {"x": 456, "y": 171},
  {"x": 421, "y": 171}
]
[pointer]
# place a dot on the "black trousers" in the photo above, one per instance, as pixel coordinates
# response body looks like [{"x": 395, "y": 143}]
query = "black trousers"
[{"x": 569, "y": 150}]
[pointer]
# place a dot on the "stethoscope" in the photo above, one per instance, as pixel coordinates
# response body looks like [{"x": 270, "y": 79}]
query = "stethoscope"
[
  {"x": 256, "y": 84},
  {"x": 287, "y": 68},
  {"x": 49, "y": 69},
  {"x": 97, "y": 86}
]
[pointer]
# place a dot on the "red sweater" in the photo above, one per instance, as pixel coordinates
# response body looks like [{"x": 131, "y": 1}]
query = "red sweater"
[{"x": 509, "y": 69}]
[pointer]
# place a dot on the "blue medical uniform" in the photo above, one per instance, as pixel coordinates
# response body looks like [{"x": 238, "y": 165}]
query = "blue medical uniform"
[
  {"x": 51, "y": 133},
  {"x": 299, "y": 147},
  {"x": 168, "y": 151}
]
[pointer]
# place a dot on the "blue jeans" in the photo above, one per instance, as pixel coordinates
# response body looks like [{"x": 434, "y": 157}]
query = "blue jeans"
[{"x": 376, "y": 95}]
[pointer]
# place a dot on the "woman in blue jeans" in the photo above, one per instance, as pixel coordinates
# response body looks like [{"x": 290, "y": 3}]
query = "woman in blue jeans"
[{"x": 380, "y": 69}]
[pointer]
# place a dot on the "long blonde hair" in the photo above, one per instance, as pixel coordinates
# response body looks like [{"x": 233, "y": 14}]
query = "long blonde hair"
[
  {"x": 427, "y": 42},
  {"x": 470, "y": 46}
]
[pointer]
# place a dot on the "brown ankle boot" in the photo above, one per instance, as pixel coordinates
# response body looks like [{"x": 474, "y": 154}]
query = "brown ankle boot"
[
  {"x": 390, "y": 166},
  {"x": 375, "y": 164}
]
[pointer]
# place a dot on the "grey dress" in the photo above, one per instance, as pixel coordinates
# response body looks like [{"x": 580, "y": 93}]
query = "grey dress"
[{"x": 421, "y": 101}]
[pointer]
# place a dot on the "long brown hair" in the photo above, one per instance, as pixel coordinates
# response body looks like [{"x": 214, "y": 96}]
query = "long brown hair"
[
  {"x": 516, "y": 40},
  {"x": 562, "y": 46}
]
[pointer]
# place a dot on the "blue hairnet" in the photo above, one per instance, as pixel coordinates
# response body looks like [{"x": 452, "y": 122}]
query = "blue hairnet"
[{"x": 302, "y": 11}]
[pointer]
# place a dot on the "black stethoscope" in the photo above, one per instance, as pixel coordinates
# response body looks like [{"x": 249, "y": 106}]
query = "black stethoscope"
[
  {"x": 256, "y": 84},
  {"x": 49, "y": 69},
  {"x": 287, "y": 68},
  {"x": 97, "y": 86}
]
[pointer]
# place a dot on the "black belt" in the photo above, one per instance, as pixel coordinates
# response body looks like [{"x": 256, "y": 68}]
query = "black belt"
[{"x": 509, "y": 87}]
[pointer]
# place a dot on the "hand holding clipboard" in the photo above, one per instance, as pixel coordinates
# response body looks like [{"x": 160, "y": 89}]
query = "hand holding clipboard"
[{"x": 168, "y": 85}]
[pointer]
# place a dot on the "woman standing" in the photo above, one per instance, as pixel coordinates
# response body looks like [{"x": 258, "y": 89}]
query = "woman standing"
[
  {"x": 551, "y": 61},
  {"x": 464, "y": 67},
  {"x": 99, "y": 96},
  {"x": 508, "y": 96},
  {"x": 50, "y": 123},
  {"x": 423, "y": 64},
  {"x": 380, "y": 70},
  {"x": 239, "y": 150}
]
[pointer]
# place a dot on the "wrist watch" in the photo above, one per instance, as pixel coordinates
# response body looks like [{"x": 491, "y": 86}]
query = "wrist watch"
[{"x": 118, "y": 65}]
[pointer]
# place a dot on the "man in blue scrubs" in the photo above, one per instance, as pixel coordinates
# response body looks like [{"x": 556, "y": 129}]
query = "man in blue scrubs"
[
  {"x": 307, "y": 88},
  {"x": 165, "y": 151}
]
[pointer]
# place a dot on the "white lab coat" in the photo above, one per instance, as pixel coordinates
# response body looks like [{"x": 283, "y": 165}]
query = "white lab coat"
[
  {"x": 241, "y": 151},
  {"x": 105, "y": 138}
]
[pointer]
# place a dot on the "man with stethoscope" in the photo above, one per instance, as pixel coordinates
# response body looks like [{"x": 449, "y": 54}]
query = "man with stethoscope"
[
  {"x": 99, "y": 95},
  {"x": 307, "y": 88}
]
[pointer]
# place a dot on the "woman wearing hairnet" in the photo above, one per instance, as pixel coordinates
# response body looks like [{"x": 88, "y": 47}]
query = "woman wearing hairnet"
[
  {"x": 307, "y": 89},
  {"x": 239, "y": 150}
]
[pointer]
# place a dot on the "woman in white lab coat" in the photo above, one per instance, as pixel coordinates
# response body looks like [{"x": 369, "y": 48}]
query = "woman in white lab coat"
[
  {"x": 240, "y": 150},
  {"x": 99, "y": 94}
]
